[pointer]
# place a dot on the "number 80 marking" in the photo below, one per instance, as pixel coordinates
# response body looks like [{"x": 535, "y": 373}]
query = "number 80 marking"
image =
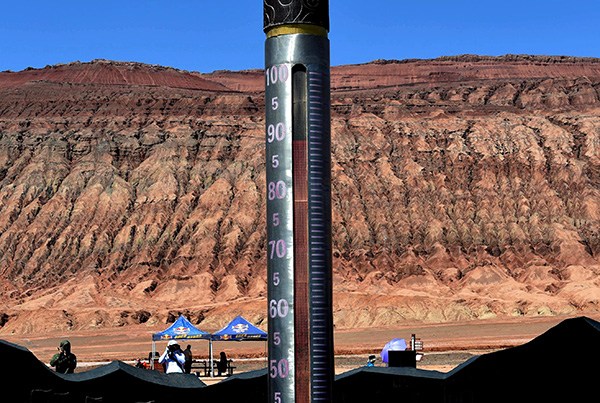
[{"x": 276, "y": 190}]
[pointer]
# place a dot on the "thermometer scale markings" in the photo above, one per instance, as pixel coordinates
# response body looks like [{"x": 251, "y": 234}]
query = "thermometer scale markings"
[{"x": 298, "y": 201}]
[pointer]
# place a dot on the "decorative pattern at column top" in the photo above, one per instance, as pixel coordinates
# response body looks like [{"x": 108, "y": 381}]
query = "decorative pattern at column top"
[{"x": 286, "y": 12}]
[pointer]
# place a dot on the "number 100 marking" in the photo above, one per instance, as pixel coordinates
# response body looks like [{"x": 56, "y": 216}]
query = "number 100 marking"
[{"x": 277, "y": 73}]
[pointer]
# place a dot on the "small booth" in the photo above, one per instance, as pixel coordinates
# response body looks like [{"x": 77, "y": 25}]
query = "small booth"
[
  {"x": 239, "y": 329},
  {"x": 181, "y": 329}
]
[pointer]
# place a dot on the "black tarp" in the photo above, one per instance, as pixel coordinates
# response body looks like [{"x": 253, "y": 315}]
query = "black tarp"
[
  {"x": 246, "y": 387},
  {"x": 119, "y": 381},
  {"x": 389, "y": 384},
  {"x": 21, "y": 372},
  {"x": 27, "y": 379},
  {"x": 559, "y": 365}
]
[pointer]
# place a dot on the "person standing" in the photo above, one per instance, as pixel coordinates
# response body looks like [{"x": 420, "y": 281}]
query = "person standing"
[
  {"x": 222, "y": 363},
  {"x": 371, "y": 361},
  {"x": 64, "y": 361},
  {"x": 173, "y": 358},
  {"x": 187, "y": 367}
]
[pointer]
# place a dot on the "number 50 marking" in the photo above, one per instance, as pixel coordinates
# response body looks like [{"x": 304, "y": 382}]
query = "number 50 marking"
[{"x": 279, "y": 369}]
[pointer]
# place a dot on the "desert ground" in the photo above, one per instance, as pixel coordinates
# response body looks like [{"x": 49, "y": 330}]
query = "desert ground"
[{"x": 445, "y": 345}]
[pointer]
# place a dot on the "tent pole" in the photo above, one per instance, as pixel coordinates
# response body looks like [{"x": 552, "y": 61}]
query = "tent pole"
[
  {"x": 153, "y": 352},
  {"x": 210, "y": 353}
]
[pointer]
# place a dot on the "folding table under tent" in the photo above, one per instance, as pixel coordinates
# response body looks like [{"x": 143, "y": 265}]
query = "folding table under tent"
[
  {"x": 181, "y": 329},
  {"x": 239, "y": 329}
]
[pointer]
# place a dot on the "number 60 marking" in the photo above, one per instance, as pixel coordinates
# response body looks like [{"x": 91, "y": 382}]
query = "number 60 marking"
[{"x": 278, "y": 308}]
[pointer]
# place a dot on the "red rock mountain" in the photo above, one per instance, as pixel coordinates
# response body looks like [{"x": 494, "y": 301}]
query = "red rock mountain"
[{"x": 463, "y": 188}]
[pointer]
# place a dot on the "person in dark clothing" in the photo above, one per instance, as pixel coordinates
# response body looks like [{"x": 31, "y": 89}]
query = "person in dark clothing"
[
  {"x": 222, "y": 363},
  {"x": 187, "y": 367},
  {"x": 64, "y": 361}
]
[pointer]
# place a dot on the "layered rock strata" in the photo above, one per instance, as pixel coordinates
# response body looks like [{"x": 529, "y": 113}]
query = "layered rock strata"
[{"x": 463, "y": 188}]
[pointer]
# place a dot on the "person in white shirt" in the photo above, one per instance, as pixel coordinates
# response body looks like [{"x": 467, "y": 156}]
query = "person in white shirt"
[{"x": 173, "y": 358}]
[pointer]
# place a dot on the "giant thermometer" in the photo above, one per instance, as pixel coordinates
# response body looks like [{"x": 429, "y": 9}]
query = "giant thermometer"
[{"x": 298, "y": 154}]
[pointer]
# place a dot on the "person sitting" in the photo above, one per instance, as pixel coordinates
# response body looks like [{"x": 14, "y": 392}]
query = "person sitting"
[
  {"x": 64, "y": 361},
  {"x": 140, "y": 363},
  {"x": 222, "y": 364},
  {"x": 173, "y": 359}
]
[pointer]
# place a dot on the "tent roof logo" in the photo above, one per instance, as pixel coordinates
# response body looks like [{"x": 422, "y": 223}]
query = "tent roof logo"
[
  {"x": 181, "y": 330},
  {"x": 240, "y": 328}
]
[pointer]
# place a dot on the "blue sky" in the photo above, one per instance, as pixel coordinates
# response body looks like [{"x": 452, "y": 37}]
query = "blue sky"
[{"x": 203, "y": 35}]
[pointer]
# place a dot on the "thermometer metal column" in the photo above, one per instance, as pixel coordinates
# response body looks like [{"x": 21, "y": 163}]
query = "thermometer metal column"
[{"x": 298, "y": 153}]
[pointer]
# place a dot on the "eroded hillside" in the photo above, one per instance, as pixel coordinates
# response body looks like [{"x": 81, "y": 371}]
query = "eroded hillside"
[{"x": 463, "y": 188}]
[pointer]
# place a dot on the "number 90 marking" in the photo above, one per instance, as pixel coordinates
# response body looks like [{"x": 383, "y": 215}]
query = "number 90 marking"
[{"x": 275, "y": 132}]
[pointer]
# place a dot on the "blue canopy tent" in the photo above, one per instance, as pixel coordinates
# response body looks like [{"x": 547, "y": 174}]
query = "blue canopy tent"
[
  {"x": 239, "y": 329},
  {"x": 181, "y": 329}
]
